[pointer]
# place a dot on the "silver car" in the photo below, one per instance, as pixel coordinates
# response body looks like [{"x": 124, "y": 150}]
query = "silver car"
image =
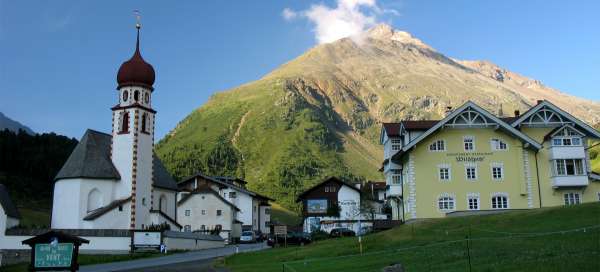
[{"x": 248, "y": 237}]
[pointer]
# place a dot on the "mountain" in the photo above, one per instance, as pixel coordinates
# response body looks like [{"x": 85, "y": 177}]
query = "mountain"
[
  {"x": 320, "y": 114},
  {"x": 7, "y": 123}
]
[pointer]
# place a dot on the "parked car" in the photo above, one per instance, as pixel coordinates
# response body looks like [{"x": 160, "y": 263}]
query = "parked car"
[
  {"x": 341, "y": 232},
  {"x": 293, "y": 238},
  {"x": 248, "y": 237},
  {"x": 260, "y": 237}
]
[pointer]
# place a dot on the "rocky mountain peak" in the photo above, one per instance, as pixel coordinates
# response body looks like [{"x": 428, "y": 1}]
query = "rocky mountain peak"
[{"x": 387, "y": 32}]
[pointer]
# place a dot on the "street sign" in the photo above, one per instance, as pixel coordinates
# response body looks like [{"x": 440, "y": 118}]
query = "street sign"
[
  {"x": 280, "y": 230},
  {"x": 53, "y": 255}
]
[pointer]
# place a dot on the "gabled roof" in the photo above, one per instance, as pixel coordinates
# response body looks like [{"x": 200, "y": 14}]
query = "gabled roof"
[
  {"x": 224, "y": 183},
  {"x": 418, "y": 124},
  {"x": 7, "y": 205},
  {"x": 206, "y": 190},
  {"x": 103, "y": 210},
  {"x": 558, "y": 129},
  {"x": 545, "y": 103},
  {"x": 161, "y": 177},
  {"x": 330, "y": 179},
  {"x": 90, "y": 159},
  {"x": 392, "y": 129},
  {"x": 458, "y": 111}
]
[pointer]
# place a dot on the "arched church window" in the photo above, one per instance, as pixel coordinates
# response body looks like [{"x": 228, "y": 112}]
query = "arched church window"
[
  {"x": 124, "y": 122},
  {"x": 136, "y": 96},
  {"x": 144, "y": 118},
  {"x": 125, "y": 96},
  {"x": 94, "y": 200}
]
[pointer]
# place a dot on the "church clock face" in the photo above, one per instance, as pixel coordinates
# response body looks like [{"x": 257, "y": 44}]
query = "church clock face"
[{"x": 125, "y": 96}]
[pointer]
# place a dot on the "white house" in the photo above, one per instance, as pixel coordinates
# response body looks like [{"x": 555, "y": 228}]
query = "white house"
[
  {"x": 334, "y": 203},
  {"x": 255, "y": 210},
  {"x": 114, "y": 181},
  {"x": 9, "y": 215},
  {"x": 204, "y": 209}
]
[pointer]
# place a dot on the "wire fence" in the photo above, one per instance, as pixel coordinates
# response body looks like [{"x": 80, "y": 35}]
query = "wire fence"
[{"x": 475, "y": 249}]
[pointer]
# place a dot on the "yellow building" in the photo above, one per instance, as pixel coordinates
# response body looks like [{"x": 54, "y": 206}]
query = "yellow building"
[{"x": 474, "y": 161}]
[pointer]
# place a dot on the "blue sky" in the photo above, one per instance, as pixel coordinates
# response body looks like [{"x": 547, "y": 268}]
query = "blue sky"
[{"x": 58, "y": 59}]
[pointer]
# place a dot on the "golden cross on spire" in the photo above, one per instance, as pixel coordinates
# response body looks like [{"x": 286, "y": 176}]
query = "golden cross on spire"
[{"x": 138, "y": 17}]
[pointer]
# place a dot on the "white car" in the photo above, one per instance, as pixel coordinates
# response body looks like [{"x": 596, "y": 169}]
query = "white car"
[{"x": 248, "y": 237}]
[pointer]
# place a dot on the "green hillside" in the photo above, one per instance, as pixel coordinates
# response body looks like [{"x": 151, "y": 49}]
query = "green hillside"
[
  {"x": 549, "y": 239},
  {"x": 320, "y": 114}
]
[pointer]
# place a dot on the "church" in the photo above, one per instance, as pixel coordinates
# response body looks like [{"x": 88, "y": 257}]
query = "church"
[{"x": 115, "y": 181}]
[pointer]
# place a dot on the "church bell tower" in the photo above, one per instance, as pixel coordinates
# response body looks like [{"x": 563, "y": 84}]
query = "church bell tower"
[{"x": 133, "y": 135}]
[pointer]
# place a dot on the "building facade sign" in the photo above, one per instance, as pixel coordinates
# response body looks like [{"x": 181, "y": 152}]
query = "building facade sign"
[{"x": 470, "y": 156}]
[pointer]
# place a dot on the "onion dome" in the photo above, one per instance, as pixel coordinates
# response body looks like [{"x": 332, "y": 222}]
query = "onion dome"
[{"x": 136, "y": 71}]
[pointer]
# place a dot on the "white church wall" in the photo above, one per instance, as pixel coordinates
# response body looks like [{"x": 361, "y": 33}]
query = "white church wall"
[
  {"x": 143, "y": 178},
  {"x": 114, "y": 219},
  {"x": 170, "y": 205},
  {"x": 67, "y": 210},
  {"x": 122, "y": 155}
]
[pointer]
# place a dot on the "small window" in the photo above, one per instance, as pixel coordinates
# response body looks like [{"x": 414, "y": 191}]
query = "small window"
[
  {"x": 144, "y": 117},
  {"x": 203, "y": 227},
  {"x": 120, "y": 208},
  {"x": 396, "y": 176},
  {"x": 146, "y": 97},
  {"x": 144, "y": 201},
  {"x": 203, "y": 212},
  {"x": 326, "y": 189},
  {"x": 498, "y": 144},
  {"x": 572, "y": 198},
  {"x": 267, "y": 211},
  {"x": 438, "y": 145},
  {"x": 187, "y": 212},
  {"x": 396, "y": 144},
  {"x": 569, "y": 167},
  {"x": 232, "y": 195},
  {"x": 556, "y": 141},
  {"x": 446, "y": 203},
  {"x": 124, "y": 122},
  {"x": 219, "y": 212},
  {"x": 187, "y": 228},
  {"x": 471, "y": 172},
  {"x": 473, "y": 203},
  {"x": 136, "y": 96},
  {"x": 125, "y": 96},
  {"x": 469, "y": 143},
  {"x": 444, "y": 173},
  {"x": 499, "y": 202},
  {"x": 497, "y": 173}
]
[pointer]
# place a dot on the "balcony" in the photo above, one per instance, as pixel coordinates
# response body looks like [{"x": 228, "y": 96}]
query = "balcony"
[
  {"x": 394, "y": 190},
  {"x": 570, "y": 181},
  {"x": 567, "y": 152}
]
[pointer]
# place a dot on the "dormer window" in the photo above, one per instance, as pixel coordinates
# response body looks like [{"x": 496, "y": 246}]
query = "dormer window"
[
  {"x": 396, "y": 144},
  {"x": 566, "y": 137}
]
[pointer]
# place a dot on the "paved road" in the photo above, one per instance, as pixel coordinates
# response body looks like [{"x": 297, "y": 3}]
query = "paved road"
[{"x": 200, "y": 258}]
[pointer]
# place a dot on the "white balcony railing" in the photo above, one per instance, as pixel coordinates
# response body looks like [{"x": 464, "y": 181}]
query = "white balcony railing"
[{"x": 570, "y": 181}]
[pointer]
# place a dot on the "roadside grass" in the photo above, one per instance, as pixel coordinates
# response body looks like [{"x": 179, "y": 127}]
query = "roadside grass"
[
  {"x": 549, "y": 239},
  {"x": 282, "y": 215},
  {"x": 86, "y": 259}
]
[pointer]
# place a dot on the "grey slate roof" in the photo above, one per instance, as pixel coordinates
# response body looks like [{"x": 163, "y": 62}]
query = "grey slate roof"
[
  {"x": 162, "y": 177},
  {"x": 9, "y": 207},
  {"x": 102, "y": 210},
  {"x": 90, "y": 159}
]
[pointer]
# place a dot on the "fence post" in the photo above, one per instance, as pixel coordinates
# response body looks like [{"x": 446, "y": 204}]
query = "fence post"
[{"x": 468, "y": 248}]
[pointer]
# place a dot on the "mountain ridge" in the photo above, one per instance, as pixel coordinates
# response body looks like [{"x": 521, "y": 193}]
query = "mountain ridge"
[
  {"x": 12, "y": 125},
  {"x": 319, "y": 114}
]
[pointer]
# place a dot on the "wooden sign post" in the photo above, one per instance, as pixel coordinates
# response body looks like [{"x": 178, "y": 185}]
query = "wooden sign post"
[{"x": 54, "y": 250}]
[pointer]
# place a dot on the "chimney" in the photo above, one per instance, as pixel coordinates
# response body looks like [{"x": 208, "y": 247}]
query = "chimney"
[
  {"x": 448, "y": 111},
  {"x": 517, "y": 113},
  {"x": 540, "y": 101}
]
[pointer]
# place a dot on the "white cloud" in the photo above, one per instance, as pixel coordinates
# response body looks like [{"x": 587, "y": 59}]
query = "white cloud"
[
  {"x": 288, "y": 14},
  {"x": 349, "y": 18}
]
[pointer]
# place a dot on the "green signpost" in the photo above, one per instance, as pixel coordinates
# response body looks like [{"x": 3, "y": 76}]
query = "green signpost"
[
  {"x": 57, "y": 255},
  {"x": 54, "y": 250}
]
